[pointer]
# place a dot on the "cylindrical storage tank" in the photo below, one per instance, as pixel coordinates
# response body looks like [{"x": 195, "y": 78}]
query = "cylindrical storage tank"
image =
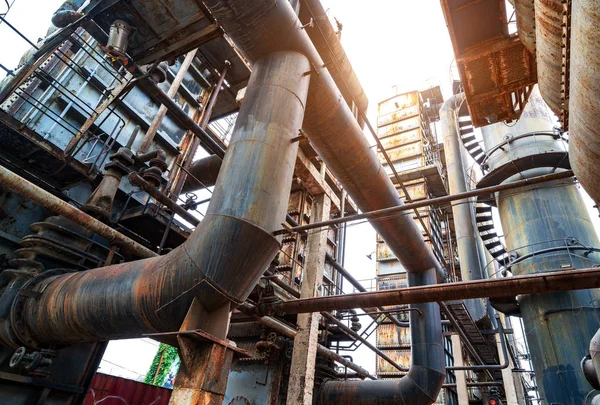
[
  {"x": 504, "y": 143},
  {"x": 584, "y": 111},
  {"x": 549, "y": 229},
  {"x": 548, "y": 31}
]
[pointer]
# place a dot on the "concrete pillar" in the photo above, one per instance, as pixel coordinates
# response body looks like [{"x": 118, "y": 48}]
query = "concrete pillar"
[
  {"x": 461, "y": 378},
  {"x": 300, "y": 388}
]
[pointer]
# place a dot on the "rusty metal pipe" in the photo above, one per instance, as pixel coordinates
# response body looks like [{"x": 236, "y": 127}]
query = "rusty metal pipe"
[
  {"x": 548, "y": 34},
  {"x": 248, "y": 203},
  {"x": 524, "y": 10},
  {"x": 29, "y": 190},
  {"x": 383, "y": 213},
  {"x": 327, "y": 43},
  {"x": 584, "y": 113},
  {"x": 138, "y": 181},
  {"x": 539, "y": 283}
]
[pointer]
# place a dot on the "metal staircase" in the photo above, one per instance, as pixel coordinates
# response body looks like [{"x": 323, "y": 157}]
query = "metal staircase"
[
  {"x": 469, "y": 141},
  {"x": 488, "y": 234}
]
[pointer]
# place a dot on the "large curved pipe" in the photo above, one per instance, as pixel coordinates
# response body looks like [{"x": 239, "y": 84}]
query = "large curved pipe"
[
  {"x": 548, "y": 33},
  {"x": 525, "y": 12},
  {"x": 584, "y": 112},
  {"x": 202, "y": 173},
  {"x": 328, "y": 44},
  {"x": 249, "y": 202},
  {"x": 261, "y": 27},
  {"x": 466, "y": 239}
]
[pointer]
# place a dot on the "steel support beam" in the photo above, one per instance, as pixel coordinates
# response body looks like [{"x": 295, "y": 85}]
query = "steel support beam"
[
  {"x": 461, "y": 380},
  {"x": 552, "y": 281},
  {"x": 302, "y": 379}
]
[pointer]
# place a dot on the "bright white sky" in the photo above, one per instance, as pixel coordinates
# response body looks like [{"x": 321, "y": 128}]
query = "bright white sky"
[{"x": 394, "y": 46}]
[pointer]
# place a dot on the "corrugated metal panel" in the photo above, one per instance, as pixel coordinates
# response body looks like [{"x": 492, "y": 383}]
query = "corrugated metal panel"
[
  {"x": 401, "y": 357},
  {"x": 398, "y": 115},
  {"x": 400, "y": 126},
  {"x": 390, "y": 335},
  {"x": 414, "y": 135},
  {"x": 107, "y": 389},
  {"x": 403, "y": 152},
  {"x": 398, "y": 102}
]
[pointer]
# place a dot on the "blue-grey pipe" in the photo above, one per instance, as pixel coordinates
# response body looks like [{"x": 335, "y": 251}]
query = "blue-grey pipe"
[
  {"x": 558, "y": 326},
  {"x": 464, "y": 220}
]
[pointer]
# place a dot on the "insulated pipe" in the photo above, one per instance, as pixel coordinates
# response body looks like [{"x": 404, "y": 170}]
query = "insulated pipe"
[
  {"x": 584, "y": 112},
  {"x": 327, "y": 43},
  {"x": 525, "y": 12},
  {"x": 548, "y": 34},
  {"x": 466, "y": 239},
  {"x": 202, "y": 173},
  {"x": 67, "y": 13},
  {"x": 248, "y": 203}
]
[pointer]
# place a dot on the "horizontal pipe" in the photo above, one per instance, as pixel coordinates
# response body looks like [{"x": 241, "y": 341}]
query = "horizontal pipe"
[
  {"x": 285, "y": 330},
  {"x": 539, "y": 283},
  {"x": 29, "y": 190},
  {"x": 361, "y": 339},
  {"x": 477, "y": 384},
  {"x": 377, "y": 214},
  {"x": 202, "y": 174},
  {"x": 137, "y": 180}
]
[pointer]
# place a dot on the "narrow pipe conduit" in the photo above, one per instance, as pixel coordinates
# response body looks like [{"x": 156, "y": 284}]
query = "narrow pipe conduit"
[{"x": 264, "y": 26}]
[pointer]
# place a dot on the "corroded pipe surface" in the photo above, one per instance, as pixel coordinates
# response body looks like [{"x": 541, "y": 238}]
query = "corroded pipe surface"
[
  {"x": 29, "y": 190},
  {"x": 585, "y": 95},
  {"x": 548, "y": 30},
  {"x": 500, "y": 287},
  {"x": 333, "y": 54},
  {"x": 525, "y": 13},
  {"x": 249, "y": 202}
]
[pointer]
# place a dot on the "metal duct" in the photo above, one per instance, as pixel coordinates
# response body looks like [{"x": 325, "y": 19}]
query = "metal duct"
[
  {"x": 548, "y": 33},
  {"x": 203, "y": 173},
  {"x": 525, "y": 12},
  {"x": 249, "y": 202},
  {"x": 466, "y": 240},
  {"x": 328, "y": 44},
  {"x": 264, "y": 26},
  {"x": 584, "y": 95},
  {"x": 67, "y": 13}
]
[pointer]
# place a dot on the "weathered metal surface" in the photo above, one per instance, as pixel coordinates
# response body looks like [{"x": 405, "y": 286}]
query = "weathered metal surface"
[
  {"x": 398, "y": 115},
  {"x": 401, "y": 357},
  {"x": 392, "y": 336},
  {"x": 54, "y": 204},
  {"x": 106, "y": 388},
  {"x": 548, "y": 30},
  {"x": 555, "y": 281},
  {"x": 153, "y": 295},
  {"x": 584, "y": 95},
  {"x": 404, "y": 152},
  {"x": 417, "y": 190},
  {"x": 328, "y": 44},
  {"x": 399, "y": 126},
  {"x": 403, "y": 138},
  {"x": 397, "y": 102},
  {"x": 524, "y": 10},
  {"x": 203, "y": 173},
  {"x": 496, "y": 70}
]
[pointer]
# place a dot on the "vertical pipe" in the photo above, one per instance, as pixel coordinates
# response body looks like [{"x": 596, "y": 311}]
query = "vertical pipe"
[
  {"x": 558, "y": 325},
  {"x": 464, "y": 221}
]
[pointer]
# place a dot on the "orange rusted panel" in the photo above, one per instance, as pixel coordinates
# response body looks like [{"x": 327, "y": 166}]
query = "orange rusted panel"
[
  {"x": 398, "y": 115},
  {"x": 398, "y": 102},
  {"x": 403, "y": 138},
  {"x": 400, "y": 126},
  {"x": 391, "y": 336},
  {"x": 401, "y": 357},
  {"x": 403, "y": 152}
]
